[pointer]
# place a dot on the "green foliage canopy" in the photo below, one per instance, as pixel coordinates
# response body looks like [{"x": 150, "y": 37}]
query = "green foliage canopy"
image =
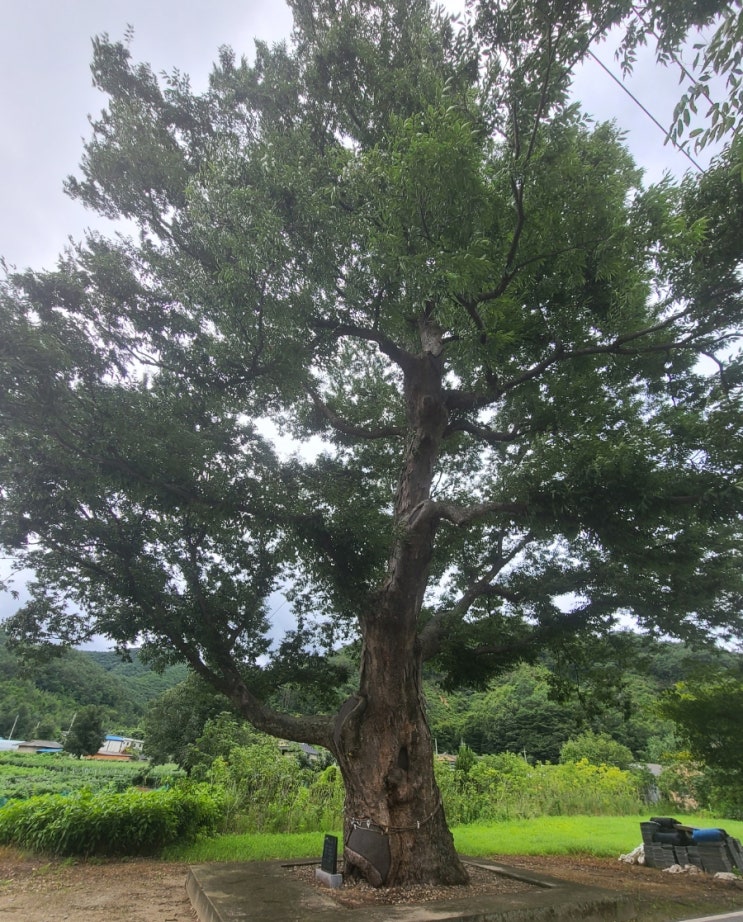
[
  {"x": 707, "y": 713},
  {"x": 598, "y": 749},
  {"x": 397, "y": 236},
  {"x": 176, "y": 720}
]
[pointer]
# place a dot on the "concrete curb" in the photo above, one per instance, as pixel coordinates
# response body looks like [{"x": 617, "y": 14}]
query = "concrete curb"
[
  {"x": 736, "y": 916},
  {"x": 238, "y": 891}
]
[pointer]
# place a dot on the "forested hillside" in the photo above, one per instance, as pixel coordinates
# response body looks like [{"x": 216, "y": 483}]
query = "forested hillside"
[
  {"x": 143, "y": 682},
  {"x": 39, "y": 700},
  {"x": 532, "y": 709}
]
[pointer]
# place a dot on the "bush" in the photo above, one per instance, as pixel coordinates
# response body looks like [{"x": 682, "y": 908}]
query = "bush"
[
  {"x": 682, "y": 785},
  {"x": 131, "y": 823},
  {"x": 322, "y": 808},
  {"x": 725, "y": 792},
  {"x": 598, "y": 749},
  {"x": 266, "y": 791},
  {"x": 505, "y": 787},
  {"x": 686, "y": 785},
  {"x": 259, "y": 786}
]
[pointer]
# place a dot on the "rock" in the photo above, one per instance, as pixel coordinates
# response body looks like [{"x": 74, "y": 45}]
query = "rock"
[
  {"x": 682, "y": 869},
  {"x": 636, "y": 856}
]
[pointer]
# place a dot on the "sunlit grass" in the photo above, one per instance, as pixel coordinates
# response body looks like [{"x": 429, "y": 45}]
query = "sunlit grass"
[
  {"x": 603, "y": 836},
  {"x": 250, "y": 847}
]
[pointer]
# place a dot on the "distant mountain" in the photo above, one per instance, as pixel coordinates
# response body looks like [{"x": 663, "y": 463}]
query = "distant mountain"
[
  {"x": 142, "y": 682},
  {"x": 40, "y": 699}
]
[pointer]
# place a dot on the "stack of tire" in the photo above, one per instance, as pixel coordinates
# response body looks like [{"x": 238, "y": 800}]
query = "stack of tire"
[{"x": 666, "y": 842}]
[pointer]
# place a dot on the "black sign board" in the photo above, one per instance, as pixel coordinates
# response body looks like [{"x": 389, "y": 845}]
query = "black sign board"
[{"x": 329, "y": 861}]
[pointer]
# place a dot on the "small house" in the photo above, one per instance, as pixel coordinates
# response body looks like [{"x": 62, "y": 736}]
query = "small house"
[
  {"x": 40, "y": 746},
  {"x": 119, "y": 749}
]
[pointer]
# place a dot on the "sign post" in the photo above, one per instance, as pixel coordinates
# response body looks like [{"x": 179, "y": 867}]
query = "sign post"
[{"x": 327, "y": 873}]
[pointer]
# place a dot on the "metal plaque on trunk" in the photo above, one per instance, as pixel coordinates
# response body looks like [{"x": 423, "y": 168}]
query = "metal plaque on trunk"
[{"x": 370, "y": 850}]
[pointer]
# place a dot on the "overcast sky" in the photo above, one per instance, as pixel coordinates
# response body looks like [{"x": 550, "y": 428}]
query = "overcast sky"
[{"x": 46, "y": 96}]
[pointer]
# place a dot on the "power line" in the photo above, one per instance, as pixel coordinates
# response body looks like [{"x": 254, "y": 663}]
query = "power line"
[
  {"x": 649, "y": 114},
  {"x": 698, "y": 85}
]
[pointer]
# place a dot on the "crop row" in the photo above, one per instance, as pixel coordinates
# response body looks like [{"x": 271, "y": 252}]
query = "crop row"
[{"x": 30, "y": 775}]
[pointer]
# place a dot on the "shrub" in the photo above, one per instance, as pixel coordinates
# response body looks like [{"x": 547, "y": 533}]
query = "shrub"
[
  {"x": 319, "y": 806},
  {"x": 725, "y": 792},
  {"x": 688, "y": 785},
  {"x": 505, "y": 787},
  {"x": 130, "y": 823},
  {"x": 597, "y": 748},
  {"x": 259, "y": 785},
  {"x": 682, "y": 785}
]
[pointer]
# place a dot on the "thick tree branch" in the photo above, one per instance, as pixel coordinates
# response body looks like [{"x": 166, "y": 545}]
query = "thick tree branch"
[
  {"x": 495, "y": 293},
  {"x": 227, "y": 679},
  {"x": 483, "y": 433},
  {"x": 474, "y": 400},
  {"x": 224, "y": 675},
  {"x": 462, "y": 400},
  {"x": 338, "y": 330},
  {"x": 470, "y": 307},
  {"x": 347, "y": 428},
  {"x": 482, "y": 587},
  {"x": 432, "y": 512}
]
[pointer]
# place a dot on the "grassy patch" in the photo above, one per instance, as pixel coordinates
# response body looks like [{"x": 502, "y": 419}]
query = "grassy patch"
[
  {"x": 607, "y": 836},
  {"x": 603, "y": 836},
  {"x": 132, "y": 823},
  {"x": 250, "y": 847}
]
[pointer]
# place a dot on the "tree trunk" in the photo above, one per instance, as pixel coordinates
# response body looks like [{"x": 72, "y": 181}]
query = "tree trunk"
[{"x": 395, "y": 831}]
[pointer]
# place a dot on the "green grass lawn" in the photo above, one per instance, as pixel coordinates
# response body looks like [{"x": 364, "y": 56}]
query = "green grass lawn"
[
  {"x": 604, "y": 836},
  {"x": 260, "y": 846}
]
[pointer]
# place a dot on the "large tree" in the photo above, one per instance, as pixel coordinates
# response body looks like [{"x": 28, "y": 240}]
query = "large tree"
[{"x": 396, "y": 235}]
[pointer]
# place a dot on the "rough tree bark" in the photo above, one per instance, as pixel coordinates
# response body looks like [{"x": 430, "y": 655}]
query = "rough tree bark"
[
  {"x": 395, "y": 828},
  {"x": 394, "y": 825}
]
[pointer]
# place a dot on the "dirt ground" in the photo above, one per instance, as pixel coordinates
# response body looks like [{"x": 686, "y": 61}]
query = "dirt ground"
[
  {"x": 34, "y": 889},
  {"x": 139, "y": 890},
  {"x": 660, "y": 896}
]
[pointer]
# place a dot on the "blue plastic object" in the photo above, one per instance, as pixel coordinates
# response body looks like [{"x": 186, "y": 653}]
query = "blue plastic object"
[{"x": 707, "y": 835}]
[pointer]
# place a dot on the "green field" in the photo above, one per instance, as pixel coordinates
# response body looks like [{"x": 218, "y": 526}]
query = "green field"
[
  {"x": 24, "y": 775},
  {"x": 604, "y": 836},
  {"x": 608, "y": 836}
]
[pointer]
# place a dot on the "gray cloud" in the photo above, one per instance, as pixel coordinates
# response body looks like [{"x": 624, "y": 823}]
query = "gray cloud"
[{"x": 46, "y": 94}]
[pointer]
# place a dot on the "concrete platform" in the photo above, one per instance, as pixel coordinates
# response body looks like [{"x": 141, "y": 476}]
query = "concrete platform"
[{"x": 263, "y": 891}]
